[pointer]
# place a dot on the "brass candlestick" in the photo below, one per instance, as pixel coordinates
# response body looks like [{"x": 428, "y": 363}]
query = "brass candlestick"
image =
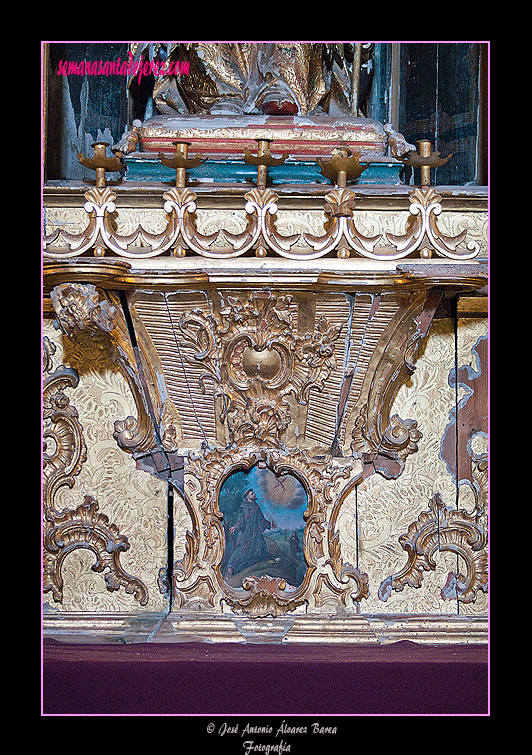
[
  {"x": 263, "y": 160},
  {"x": 101, "y": 163},
  {"x": 180, "y": 162}
]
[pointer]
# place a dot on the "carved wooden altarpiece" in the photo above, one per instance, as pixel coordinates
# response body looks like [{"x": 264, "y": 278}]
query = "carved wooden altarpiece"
[{"x": 240, "y": 361}]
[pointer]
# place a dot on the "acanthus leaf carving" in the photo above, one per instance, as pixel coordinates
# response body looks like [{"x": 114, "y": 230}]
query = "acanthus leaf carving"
[
  {"x": 443, "y": 528},
  {"x": 255, "y": 360},
  {"x": 64, "y": 451}
]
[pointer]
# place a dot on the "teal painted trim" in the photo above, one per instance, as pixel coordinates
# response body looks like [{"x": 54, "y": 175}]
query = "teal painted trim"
[{"x": 233, "y": 171}]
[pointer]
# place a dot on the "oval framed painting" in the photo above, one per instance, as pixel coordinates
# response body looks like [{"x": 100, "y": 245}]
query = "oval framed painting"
[{"x": 263, "y": 520}]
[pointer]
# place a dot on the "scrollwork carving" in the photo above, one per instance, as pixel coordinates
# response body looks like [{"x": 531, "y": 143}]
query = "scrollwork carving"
[
  {"x": 64, "y": 451},
  {"x": 267, "y": 596},
  {"x": 82, "y": 309},
  {"x": 255, "y": 360},
  {"x": 423, "y": 233},
  {"x": 323, "y": 479},
  {"x": 64, "y": 454},
  {"x": 86, "y": 528},
  {"x": 443, "y": 528}
]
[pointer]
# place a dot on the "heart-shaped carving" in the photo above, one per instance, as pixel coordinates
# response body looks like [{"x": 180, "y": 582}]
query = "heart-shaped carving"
[{"x": 261, "y": 363}]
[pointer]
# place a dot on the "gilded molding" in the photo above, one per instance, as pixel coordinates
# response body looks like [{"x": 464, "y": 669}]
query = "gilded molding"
[
  {"x": 300, "y": 136},
  {"x": 262, "y": 223}
]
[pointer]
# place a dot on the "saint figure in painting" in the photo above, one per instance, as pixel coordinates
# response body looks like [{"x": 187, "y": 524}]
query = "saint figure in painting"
[
  {"x": 295, "y": 548},
  {"x": 250, "y": 547}
]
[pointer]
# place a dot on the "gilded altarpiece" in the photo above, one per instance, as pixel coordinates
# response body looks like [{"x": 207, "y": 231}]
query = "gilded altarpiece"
[
  {"x": 250, "y": 380},
  {"x": 265, "y": 412}
]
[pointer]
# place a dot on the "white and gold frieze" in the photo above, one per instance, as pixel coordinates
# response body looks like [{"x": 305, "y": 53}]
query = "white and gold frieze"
[{"x": 220, "y": 357}]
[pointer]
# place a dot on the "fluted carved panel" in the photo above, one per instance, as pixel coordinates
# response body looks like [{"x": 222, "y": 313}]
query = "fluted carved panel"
[{"x": 160, "y": 315}]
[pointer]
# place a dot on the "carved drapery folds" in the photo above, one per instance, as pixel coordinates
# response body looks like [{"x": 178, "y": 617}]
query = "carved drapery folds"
[{"x": 85, "y": 527}]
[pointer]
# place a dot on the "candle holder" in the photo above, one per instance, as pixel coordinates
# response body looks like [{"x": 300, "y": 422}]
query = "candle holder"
[
  {"x": 425, "y": 160},
  {"x": 342, "y": 166},
  {"x": 180, "y": 162},
  {"x": 263, "y": 160},
  {"x": 101, "y": 163}
]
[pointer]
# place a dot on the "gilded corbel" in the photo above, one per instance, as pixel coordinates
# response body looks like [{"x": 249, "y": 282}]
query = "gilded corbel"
[
  {"x": 84, "y": 309},
  {"x": 385, "y": 442}
]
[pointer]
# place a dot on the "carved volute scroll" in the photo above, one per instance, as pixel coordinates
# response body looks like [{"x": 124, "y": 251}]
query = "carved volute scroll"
[
  {"x": 443, "y": 528},
  {"x": 385, "y": 442},
  {"x": 84, "y": 527}
]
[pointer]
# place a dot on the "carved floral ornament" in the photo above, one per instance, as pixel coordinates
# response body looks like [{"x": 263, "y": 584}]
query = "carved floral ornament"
[{"x": 256, "y": 361}]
